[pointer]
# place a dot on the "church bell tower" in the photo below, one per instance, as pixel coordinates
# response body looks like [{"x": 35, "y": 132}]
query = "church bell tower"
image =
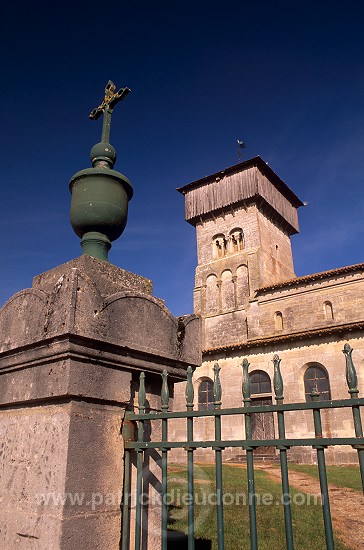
[{"x": 244, "y": 218}]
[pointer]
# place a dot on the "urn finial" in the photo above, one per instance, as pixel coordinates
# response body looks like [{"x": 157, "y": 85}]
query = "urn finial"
[{"x": 100, "y": 195}]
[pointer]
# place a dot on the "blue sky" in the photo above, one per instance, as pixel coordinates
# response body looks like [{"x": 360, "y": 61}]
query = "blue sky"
[{"x": 287, "y": 78}]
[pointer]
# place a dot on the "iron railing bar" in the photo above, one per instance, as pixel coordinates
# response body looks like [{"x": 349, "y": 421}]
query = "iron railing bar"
[
  {"x": 358, "y": 427},
  {"x": 361, "y": 465},
  {"x": 319, "y": 443},
  {"x": 164, "y": 493},
  {"x": 246, "y": 443},
  {"x": 286, "y": 496},
  {"x": 190, "y": 466},
  {"x": 325, "y": 498},
  {"x": 246, "y": 391},
  {"x": 164, "y": 485},
  {"x": 337, "y": 404},
  {"x": 219, "y": 493},
  {"x": 164, "y": 408},
  {"x": 218, "y": 460},
  {"x": 190, "y": 489},
  {"x": 352, "y": 382},
  {"x": 125, "y": 533},
  {"x": 252, "y": 499},
  {"x": 138, "y": 507},
  {"x": 140, "y": 454},
  {"x": 359, "y": 433},
  {"x": 322, "y": 474}
]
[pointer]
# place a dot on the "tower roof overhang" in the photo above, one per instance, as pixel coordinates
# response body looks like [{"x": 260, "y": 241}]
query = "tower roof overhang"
[{"x": 250, "y": 180}]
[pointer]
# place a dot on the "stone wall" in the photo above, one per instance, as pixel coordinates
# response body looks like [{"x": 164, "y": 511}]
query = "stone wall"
[
  {"x": 275, "y": 255},
  {"x": 261, "y": 238},
  {"x": 226, "y": 280},
  {"x": 71, "y": 352},
  {"x": 252, "y": 305},
  {"x": 231, "y": 316},
  {"x": 304, "y": 305},
  {"x": 295, "y": 358}
]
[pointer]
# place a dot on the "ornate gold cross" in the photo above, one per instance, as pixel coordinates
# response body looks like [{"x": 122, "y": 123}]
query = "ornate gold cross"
[{"x": 106, "y": 108}]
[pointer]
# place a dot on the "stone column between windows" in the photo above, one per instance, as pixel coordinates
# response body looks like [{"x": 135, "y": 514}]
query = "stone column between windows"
[
  {"x": 253, "y": 274},
  {"x": 203, "y": 311},
  {"x": 218, "y": 284},
  {"x": 203, "y": 298},
  {"x": 234, "y": 280}
]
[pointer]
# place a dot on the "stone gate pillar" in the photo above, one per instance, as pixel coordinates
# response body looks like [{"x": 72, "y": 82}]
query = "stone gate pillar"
[{"x": 71, "y": 351}]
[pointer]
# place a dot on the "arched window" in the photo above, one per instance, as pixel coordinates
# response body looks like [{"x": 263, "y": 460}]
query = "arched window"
[
  {"x": 227, "y": 291},
  {"x": 242, "y": 285},
  {"x": 260, "y": 382},
  {"x": 206, "y": 395},
  {"x": 212, "y": 294},
  {"x": 262, "y": 423},
  {"x": 328, "y": 310},
  {"x": 316, "y": 377},
  {"x": 236, "y": 240},
  {"x": 219, "y": 244},
  {"x": 278, "y": 320}
]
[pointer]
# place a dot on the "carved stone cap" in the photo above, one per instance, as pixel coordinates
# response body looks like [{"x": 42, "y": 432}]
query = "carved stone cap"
[{"x": 107, "y": 277}]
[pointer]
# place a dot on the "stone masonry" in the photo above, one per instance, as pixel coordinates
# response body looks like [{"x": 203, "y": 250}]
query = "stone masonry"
[
  {"x": 252, "y": 305},
  {"x": 71, "y": 351}
]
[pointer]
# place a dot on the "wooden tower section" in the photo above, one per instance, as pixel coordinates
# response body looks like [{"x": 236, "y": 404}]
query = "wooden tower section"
[{"x": 244, "y": 218}]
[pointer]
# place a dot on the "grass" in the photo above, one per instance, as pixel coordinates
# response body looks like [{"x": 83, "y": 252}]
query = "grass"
[
  {"x": 341, "y": 476},
  {"x": 307, "y": 516}
]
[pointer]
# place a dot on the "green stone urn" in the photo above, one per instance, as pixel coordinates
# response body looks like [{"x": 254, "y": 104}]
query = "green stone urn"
[
  {"x": 100, "y": 195},
  {"x": 99, "y": 205}
]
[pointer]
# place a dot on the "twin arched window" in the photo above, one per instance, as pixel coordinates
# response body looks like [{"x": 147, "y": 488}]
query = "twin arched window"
[
  {"x": 219, "y": 246},
  {"x": 236, "y": 239},
  {"x": 229, "y": 244}
]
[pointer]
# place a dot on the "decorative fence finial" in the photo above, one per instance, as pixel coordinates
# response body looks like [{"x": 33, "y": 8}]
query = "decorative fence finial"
[
  {"x": 141, "y": 393},
  {"x": 351, "y": 376},
  {"x": 165, "y": 391},
  {"x": 315, "y": 394},
  {"x": 217, "y": 385},
  {"x": 189, "y": 389},
  {"x": 246, "y": 386},
  {"x": 277, "y": 380}
]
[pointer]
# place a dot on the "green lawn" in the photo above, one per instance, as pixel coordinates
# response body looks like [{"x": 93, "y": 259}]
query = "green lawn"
[
  {"x": 307, "y": 517},
  {"x": 341, "y": 476}
]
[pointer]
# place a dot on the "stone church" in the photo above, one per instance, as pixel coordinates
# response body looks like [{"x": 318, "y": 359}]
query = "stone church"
[{"x": 252, "y": 305}]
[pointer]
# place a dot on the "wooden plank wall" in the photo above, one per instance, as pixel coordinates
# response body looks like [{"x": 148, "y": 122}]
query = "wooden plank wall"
[{"x": 235, "y": 188}]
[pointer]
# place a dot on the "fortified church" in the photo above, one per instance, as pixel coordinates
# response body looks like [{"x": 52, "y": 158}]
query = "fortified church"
[
  {"x": 252, "y": 305},
  {"x": 88, "y": 342}
]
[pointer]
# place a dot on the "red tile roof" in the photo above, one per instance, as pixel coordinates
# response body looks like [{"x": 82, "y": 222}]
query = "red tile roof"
[
  {"x": 287, "y": 337},
  {"x": 313, "y": 277}
]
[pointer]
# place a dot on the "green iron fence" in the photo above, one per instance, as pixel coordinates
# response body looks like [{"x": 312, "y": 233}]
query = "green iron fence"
[{"x": 136, "y": 447}]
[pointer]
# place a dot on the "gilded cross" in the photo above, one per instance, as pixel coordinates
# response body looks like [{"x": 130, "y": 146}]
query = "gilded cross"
[{"x": 106, "y": 108}]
